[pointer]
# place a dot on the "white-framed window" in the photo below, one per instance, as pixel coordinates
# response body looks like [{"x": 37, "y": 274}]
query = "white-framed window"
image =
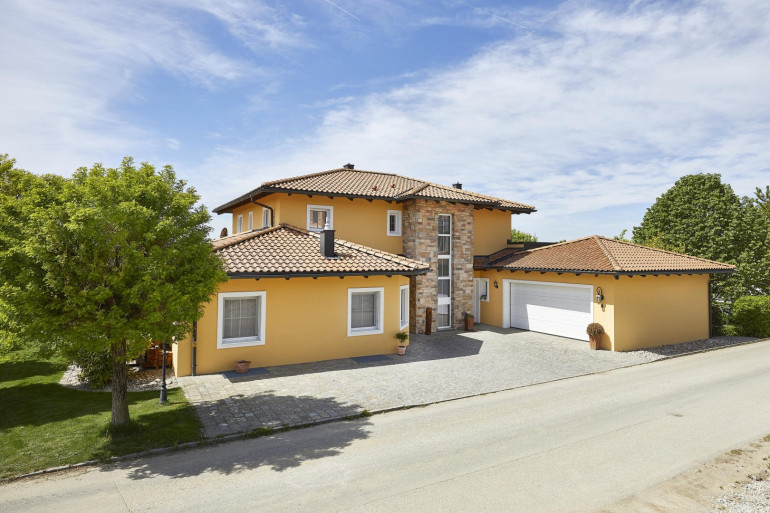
[
  {"x": 482, "y": 284},
  {"x": 444, "y": 271},
  {"x": 366, "y": 309},
  {"x": 318, "y": 215},
  {"x": 241, "y": 319},
  {"x": 239, "y": 224},
  {"x": 251, "y": 221},
  {"x": 265, "y": 218},
  {"x": 404, "y": 292},
  {"x": 394, "y": 222}
]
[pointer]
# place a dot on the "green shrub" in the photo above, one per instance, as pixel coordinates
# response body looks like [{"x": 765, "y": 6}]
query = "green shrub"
[
  {"x": 751, "y": 316},
  {"x": 95, "y": 367}
]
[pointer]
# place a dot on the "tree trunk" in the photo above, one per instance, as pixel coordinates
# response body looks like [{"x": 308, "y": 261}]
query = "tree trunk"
[{"x": 119, "y": 385}]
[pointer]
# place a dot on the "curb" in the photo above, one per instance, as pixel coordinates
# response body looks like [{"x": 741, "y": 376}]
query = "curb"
[{"x": 245, "y": 435}]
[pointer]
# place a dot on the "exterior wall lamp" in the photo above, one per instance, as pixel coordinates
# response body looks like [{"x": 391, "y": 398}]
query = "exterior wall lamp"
[
  {"x": 495, "y": 283},
  {"x": 599, "y": 295}
]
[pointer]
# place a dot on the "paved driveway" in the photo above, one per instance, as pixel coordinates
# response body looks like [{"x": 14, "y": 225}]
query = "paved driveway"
[{"x": 444, "y": 366}]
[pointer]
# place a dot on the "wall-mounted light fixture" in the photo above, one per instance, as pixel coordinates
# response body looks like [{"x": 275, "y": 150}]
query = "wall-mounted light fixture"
[
  {"x": 599, "y": 295},
  {"x": 495, "y": 283}
]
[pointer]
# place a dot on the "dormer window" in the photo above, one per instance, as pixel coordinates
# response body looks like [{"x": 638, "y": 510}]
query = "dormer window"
[
  {"x": 394, "y": 222},
  {"x": 318, "y": 216}
]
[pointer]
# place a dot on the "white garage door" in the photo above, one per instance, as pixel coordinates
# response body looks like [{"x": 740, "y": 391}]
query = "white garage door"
[{"x": 557, "y": 308}]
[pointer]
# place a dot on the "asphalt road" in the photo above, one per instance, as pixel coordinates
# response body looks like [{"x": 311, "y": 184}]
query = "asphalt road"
[{"x": 574, "y": 445}]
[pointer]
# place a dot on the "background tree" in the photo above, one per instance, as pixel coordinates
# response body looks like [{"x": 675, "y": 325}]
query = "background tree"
[
  {"x": 703, "y": 217},
  {"x": 107, "y": 260},
  {"x": 520, "y": 236},
  {"x": 763, "y": 199}
]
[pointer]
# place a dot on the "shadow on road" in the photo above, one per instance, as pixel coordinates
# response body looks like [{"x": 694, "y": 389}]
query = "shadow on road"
[{"x": 278, "y": 451}]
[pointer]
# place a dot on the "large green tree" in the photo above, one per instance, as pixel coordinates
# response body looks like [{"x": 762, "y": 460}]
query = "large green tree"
[
  {"x": 107, "y": 260},
  {"x": 703, "y": 217}
]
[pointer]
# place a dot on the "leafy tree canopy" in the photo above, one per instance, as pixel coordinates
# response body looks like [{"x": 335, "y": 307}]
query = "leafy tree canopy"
[
  {"x": 107, "y": 260},
  {"x": 520, "y": 236},
  {"x": 703, "y": 217}
]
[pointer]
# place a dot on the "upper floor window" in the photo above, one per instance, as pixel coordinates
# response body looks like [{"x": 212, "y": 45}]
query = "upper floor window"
[
  {"x": 251, "y": 221},
  {"x": 318, "y": 216},
  {"x": 239, "y": 224},
  {"x": 394, "y": 222},
  {"x": 265, "y": 218},
  {"x": 404, "y": 290}
]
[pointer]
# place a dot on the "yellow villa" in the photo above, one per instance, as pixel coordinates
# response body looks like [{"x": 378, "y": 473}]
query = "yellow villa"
[{"x": 333, "y": 264}]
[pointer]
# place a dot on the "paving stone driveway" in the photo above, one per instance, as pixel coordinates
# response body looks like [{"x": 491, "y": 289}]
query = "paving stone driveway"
[{"x": 443, "y": 366}]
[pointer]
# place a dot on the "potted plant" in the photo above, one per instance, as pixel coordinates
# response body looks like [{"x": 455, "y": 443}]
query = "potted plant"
[
  {"x": 242, "y": 366},
  {"x": 468, "y": 321},
  {"x": 402, "y": 337},
  {"x": 595, "y": 332}
]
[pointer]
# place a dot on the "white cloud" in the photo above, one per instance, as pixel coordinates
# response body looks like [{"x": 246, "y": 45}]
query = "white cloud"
[{"x": 605, "y": 109}]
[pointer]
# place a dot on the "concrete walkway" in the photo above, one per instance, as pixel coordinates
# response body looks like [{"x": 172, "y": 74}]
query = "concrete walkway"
[{"x": 444, "y": 366}]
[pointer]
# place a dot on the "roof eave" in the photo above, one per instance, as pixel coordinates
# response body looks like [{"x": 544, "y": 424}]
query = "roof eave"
[
  {"x": 322, "y": 274},
  {"x": 609, "y": 273}
]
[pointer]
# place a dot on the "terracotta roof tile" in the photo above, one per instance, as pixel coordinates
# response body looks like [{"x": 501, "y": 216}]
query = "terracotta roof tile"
[
  {"x": 607, "y": 256},
  {"x": 286, "y": 250},
  {"x": 375, "y": 185}
]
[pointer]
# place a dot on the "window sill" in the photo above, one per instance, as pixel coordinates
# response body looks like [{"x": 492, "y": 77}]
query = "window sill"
[
  {"x": 394, "y": 234},
  {"x": 404, "y": 326},
  {"x": 364, "y": 331},
  {"x": 240, "y": 342}
]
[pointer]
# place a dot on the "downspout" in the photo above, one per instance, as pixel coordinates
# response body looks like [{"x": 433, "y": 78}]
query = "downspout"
[
  {"x": 264, "y": 206},
  {"x": 194, "y": 347},
  {"x": 711, "y": 322}
]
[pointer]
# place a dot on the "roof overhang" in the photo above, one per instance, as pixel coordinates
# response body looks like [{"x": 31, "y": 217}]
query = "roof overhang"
[
  {"x": 309, "y": 274},
  {"x": 261, "y": 192},
  {"x": 608, "y": 273}
]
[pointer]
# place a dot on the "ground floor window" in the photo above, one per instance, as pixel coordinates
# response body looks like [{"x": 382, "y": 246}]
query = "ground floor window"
[
  {"x": 365, "y": 311},
  {"x": 241, "y": 319},
  {"x": 404, "y": 306}
]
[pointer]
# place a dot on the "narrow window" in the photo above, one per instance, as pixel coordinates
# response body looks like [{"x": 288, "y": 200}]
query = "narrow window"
[
  {"x": 265, "y": 218},
  {"x": 251, "y": 221},
  {"x": 394, "y": 222},
  {"x": 365, "y": 311},
  {"x": 241, "y": 319},
  {"x": 318, "y": 216},
  {"x": 239, "y": 227},
  {"x": 404, "y": 306}
]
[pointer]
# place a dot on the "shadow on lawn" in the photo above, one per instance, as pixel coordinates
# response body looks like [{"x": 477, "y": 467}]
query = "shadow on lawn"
[
  {"x": 279, "y": 451},
  {"x": 16, "y": 370}
]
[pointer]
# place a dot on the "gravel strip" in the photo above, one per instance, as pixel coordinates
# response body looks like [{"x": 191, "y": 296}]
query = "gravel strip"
[
  {"x": 660, "y": 352},
  {"x": 138, "y": 380},
  {"x": 753, "y": 497}
]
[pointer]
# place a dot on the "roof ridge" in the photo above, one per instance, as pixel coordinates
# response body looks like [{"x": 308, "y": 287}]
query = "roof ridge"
[
  {"x": 607, "y": 253},
  {"x": 628, "y": 243},
  {"x": 299, "y": 177}
]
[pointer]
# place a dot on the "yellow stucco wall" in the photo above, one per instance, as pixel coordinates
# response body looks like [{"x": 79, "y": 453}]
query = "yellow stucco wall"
[
  {"x": 305, "y": 321},
  {"x": 359, "y": 220},
  {"x": 661, "y": 310},
  {"x": 638, "y": 312},
  {"x": 491, "y": 230}
]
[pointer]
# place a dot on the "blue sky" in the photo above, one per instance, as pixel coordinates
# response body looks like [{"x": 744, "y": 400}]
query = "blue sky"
[{"x": 589, "y": 110}]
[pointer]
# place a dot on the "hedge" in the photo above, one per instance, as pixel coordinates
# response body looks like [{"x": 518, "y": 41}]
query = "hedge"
[{"x": 751, "y": 316}]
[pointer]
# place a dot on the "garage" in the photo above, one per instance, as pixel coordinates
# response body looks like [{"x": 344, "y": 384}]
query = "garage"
[{"x": 563, "y": 309}]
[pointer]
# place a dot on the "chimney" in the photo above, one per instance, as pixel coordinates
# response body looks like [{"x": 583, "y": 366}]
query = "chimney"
[
  {"x": 457, "y": 185},
  {"x": 348, "y": 166},
  {"x": 327, "y": 242}
]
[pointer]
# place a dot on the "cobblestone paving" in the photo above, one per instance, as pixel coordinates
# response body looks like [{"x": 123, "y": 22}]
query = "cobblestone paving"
[{"x": 444, "y": 366}]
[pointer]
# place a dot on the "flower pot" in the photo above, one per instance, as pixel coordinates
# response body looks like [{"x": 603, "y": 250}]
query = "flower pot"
[
  {"x": 242, "y": 367},
  {"x": 401, "y": 350},
  {"x": 594, "y": 341},
  {"x": 469, "y": 324}
]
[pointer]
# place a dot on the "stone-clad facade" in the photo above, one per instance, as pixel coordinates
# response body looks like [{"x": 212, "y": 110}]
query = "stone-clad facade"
[{"x": 420, "y": 236}]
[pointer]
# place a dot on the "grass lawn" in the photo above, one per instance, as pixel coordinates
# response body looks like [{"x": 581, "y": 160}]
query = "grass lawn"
[{"x": 43, "y": 424}]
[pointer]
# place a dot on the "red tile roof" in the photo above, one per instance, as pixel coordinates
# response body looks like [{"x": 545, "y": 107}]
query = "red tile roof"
[
  {"x": 372, "y": 185},
  {"x": 290, "y": 251},
  {"x": 597, "y": 254}
]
